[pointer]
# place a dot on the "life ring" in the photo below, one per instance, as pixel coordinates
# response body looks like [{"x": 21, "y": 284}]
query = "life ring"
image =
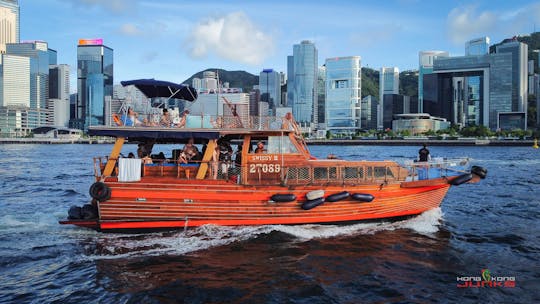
[
  {"x": 362, "y": 197},
  {"x": 100, "y": 191},
  {"x": 480, "y": 171},
  {"x": 117, "y": 120},
  {"x": 337, "y": 196},
  {"x": 283, "y": 197},
  {"x": 310, "y": 204},
  {"x": 463, "y": 178},
  {"x": 315, "y": 194}
]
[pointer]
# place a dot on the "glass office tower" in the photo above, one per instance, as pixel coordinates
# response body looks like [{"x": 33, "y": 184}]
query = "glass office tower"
[
  {"x": 425, "y": 67},
  {"x": 343, "y": 94},
  {"x": 270, "y": 88},
  {"x": 94, "y": 82},
  {"x": 474, "y": 99},
  {"x": 302, "y": 83},
  {"x": 388, "y": 84}
]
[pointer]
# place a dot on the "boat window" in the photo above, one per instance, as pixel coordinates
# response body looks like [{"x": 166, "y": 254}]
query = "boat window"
[
  {"x": 324, "y": 173},
  {"x": 298, "y": 174},
  {"x": 353, "y": 172},
  {"x": 379, "y": 172},
  {"x": 280, "y": 144},
  {"x": 389, "y": 172}
]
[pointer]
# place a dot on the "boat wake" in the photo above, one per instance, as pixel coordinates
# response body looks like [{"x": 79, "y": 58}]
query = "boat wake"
[{"x": 113, "y": 246}]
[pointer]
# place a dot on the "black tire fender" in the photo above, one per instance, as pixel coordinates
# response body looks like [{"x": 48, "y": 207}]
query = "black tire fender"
[{"x": 100, "y": 191}]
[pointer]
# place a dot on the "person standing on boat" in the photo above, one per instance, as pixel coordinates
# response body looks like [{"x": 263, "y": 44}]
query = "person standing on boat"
[
  {"x": 423, "y": 154},
  {"x": 225, "y": 157},
  {"x": 260, "y": 147}
]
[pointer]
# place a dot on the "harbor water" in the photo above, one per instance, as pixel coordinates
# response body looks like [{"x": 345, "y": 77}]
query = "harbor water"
[{"x": 435, "y": 257}]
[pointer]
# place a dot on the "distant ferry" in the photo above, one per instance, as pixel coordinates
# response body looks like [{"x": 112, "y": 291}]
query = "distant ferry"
[{"x": 271, "y": 179}]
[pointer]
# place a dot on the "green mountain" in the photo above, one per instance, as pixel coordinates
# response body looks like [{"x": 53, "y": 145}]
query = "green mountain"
[
  {"x": 408, "y": 83},
  {"x": 236, "y": 79}
]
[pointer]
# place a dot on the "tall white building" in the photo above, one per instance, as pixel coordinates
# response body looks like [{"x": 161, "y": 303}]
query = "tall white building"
[
  {"x": 58, "y": 102},
  {"x": 343, "y": 94},
  {"x": 388, "y": 84},
  {"x": 14, "y": 81},
  {"x": 9, "y": 23}
]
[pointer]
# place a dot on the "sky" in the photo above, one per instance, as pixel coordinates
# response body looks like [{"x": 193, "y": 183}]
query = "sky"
[{"x": 172, "y": 40}]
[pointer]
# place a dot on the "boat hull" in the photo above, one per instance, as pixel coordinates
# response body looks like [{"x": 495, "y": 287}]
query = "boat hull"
[{"x": 158, "y": 206}]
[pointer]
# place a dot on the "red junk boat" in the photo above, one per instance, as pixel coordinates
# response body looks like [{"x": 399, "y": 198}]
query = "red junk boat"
[{"x": 281, "y": 183}]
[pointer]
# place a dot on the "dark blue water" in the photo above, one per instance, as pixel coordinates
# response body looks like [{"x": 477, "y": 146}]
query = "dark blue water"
[{"x": 491, "y": 225}]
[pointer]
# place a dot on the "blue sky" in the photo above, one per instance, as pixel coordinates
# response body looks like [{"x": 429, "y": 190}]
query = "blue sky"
[{"x": 172, "y": 40}]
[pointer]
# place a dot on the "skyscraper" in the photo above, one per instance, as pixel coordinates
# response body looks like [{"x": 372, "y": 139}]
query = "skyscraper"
[
  {"x": 59, "y": 94},
  {"x": 343, "y": 94},
  {"x": 94, "y": 82},
  {"x": 426, "y": 67},
  {"x": 270, "y": 88},
  {"x": 519, "y": 53},
  {"x": 388, "y": 84},
  {"x": 39, "y": 55},
  {"x": 9, "y": 23},
  {"x": 302, "y": 82},
  {"x": 474, "y": 99}
]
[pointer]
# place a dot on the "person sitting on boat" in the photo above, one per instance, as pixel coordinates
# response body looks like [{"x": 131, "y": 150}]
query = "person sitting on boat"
[
  {"x": 189, "y": 153},
  {"x": 165, "y": 119},
  {"x": 260, "y": 147},
  {"x": 214, "y": 164},
  {"x": 182, "y": 122},
  {"x": 423, "y": 154},
  {"x": 130, "y": 119}
]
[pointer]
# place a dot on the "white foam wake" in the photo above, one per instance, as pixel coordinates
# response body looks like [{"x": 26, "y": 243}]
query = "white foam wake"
[{"x": 112, "y": 246}]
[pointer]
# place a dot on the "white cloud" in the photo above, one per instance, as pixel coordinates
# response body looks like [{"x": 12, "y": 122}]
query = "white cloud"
[
  {"x": 467, "y": 22},
  {"x": 233, "y": 37},
  {"x": 130, "y": 29}
]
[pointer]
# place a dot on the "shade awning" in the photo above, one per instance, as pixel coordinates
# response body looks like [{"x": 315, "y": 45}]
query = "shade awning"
[
  {"x": 160, "y": 134},
  {"x": 158, "y": 88}
]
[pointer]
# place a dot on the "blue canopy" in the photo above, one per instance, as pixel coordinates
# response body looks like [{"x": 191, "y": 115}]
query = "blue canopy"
[{"x": 157, "y": 88}]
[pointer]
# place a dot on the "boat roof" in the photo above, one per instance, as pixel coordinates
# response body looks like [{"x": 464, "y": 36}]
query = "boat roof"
[
  {"x": 175, "y": 134},
  {"x": 158, "y": 88}
]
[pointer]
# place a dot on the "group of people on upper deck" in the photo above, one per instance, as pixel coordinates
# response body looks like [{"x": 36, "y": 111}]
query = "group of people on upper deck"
[{"x": 131, "y": 119}]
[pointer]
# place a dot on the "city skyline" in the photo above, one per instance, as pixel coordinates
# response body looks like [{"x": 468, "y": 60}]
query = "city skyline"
[{"x": 172, "y": 41}]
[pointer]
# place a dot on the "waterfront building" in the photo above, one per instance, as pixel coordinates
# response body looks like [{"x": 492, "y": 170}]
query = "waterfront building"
[
  {"x": 39, "y": 55},
  {"x": 210, "y": 105},
  {"x": 14, "y": 81},
  {"x": 343, "y": 94},
  {"x": 9, "y": 23},
  {"x": 321, "y": 97},
  {"x": 395, "y": 104},
  {"x": 58, "y": 102},
  {"x": 473, "y": 99},
  {"x": 426, "y": 67},
  {"x": 368, "y": 109},
  {"x": 270, "y": 88},
  {"x": 94, "y": 82},
  {"x": 503, "y": 82},
  {"x": 418, "y": 123},
  {"x": 302, "y": 69},
  {"x": 388, "y": 84}
]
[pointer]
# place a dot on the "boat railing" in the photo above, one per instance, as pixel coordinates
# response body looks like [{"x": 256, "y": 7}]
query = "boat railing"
[
  {"x": 202, "y": 121},
  {"x": 343, "y": 174},
  {"x": 437, "y": 167}
]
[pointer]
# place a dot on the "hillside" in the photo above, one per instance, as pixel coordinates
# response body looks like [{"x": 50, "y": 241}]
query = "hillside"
[
  {"x": 533, "y": 41},
  {"x": 236, "y": 79},
  {"x": 408, "y": 83}
]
